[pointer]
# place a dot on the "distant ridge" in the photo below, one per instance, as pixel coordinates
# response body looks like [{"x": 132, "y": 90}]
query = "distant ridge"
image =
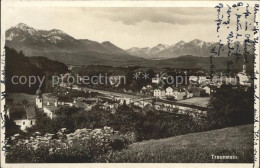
[{"x": 195, "y": 47}]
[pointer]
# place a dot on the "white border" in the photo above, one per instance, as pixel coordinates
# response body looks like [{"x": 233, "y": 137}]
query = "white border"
[
  {"x": 6, "y": 4},
  {"x": 60, "y": 3},
  {"x": 257, "y": 92}
]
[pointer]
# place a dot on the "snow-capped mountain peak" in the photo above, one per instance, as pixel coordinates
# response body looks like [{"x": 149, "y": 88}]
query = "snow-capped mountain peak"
[
  {"x": 158, "y": 48},
  {"x": 22, "y": 26},
  {"x": 56, "y": 32},
  {"x": 198, "y": 42},
  {"x": 161, "y": 46},
  {"x": 194, "y": 47},
  {"x": 179, "y": 44},
  {"x": 22, "y": 32},
  {"x": 40, "y": 42},
  {"x": 25, "y": 28}
]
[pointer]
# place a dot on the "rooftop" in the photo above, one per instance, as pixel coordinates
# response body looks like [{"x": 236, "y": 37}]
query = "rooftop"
[{"x": 19, "y": 112}]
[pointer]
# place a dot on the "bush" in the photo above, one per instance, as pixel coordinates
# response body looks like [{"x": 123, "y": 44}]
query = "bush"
[{"x": 84, "y": 145}]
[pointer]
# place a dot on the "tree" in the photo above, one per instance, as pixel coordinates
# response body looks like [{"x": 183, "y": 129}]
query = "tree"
[
  {"x": 43, "y": 124},
  {"x": 230, "y": 107},
  {"x": 11, "y": 128},
  {"x": 151, "y": 73}
]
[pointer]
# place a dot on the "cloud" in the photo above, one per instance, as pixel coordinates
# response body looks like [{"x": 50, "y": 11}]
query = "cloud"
[
  {"x": 184, "y": 16},
  {"x": 125, "y": 27}
]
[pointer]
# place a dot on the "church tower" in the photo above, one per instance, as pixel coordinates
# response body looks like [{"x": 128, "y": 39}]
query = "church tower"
[
  {"x": 244, "y": 68},
  {"x": 39, "y": 100}
]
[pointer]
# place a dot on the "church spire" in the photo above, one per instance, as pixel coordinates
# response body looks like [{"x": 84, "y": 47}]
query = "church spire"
[
  {"x": 39, "y": 99},
  {"x": 244, "y": 66},
  {"x": 38, "y": 93}
]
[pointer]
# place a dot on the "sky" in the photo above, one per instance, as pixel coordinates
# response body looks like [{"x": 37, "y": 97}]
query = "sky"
[{"x": 125, "y": 27}]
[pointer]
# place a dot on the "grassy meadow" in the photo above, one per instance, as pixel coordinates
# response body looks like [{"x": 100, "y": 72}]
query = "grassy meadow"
[{"x": 193, "y": 148}]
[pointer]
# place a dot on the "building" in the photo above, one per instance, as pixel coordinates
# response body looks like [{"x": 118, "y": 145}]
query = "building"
[
  {"x": 177, "y": 94},
  {"x": 50, "y": 103},
  {"x": 122, "y": 100},
  {"x": 39, "y": 99},
  {"x": 50, "y": 110},
  {"x": 169, "y": 91},
  {"x": 159, "y": 93},
  {"x": 149, "y": 87},
  {"x": 243, "y": 77},
  {"x": 197, "y": 92},
  {"x": 193, "y": 78},
  {"x": 188, "y": 94},
  {"x": 155, "y": 80},
  {"x": 209, "y": 89},
  {"x": 142, "y": 103},
  {"x": 179, "y": 108},
  {"x": 202, "y": 79},
  {"x": 23, "y": 116},
  {"x": 147, "y": 90}
]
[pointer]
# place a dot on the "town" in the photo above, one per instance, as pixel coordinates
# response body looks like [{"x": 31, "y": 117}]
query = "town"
[{"x": 192, "y": 96}]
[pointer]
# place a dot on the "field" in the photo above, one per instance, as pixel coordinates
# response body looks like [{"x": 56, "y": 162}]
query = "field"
[
  {"x": 19, "y": 97},
  {"x": 193, "y": 148},
  {"x": 198, "y": 101}
]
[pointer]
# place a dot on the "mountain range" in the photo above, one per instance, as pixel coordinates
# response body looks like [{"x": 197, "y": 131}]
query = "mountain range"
[
  {"x": 58, "y": 45},
  {"x": 195, "y": 47}
]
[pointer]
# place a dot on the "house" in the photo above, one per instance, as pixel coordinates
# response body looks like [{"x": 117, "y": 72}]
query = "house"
[
  {"x": 179, "y": 94},
  {"x": 159, "y": 93},
  {"x": 193, "y": 78},
  {"x": 156, "y": 80},
  {"x": 243, "y": 77},
  {"x": 50, "y": 110},
  {"x": 87, "y": 104},
  {"x": 143, "y": 88},
  {"x": 142, "y": 103},
  {"x": 197, "y": 92},
  {"x": 122, "y": 100},
  {"x": 149, "y": 87},
  {"x": 209, "y": 89},
  {"x": 146, "y": 90},
  {"x": 107, "y": 106},
  {"x": 169, "y": 91},
  {"x": 202, "y": 79},
  {"x": 188, "y": 94},
  {"x": 51, "y": 103},
  {"x": 176, "y": 107},
  {"x": 23, "y": 116},
  {"x": 231, "y": 80}
]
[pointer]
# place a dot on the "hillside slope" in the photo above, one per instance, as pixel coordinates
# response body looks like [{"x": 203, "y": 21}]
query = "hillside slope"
[
  {"x": 193, "y": 148},
  {"x": 189, "y": 61}
]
